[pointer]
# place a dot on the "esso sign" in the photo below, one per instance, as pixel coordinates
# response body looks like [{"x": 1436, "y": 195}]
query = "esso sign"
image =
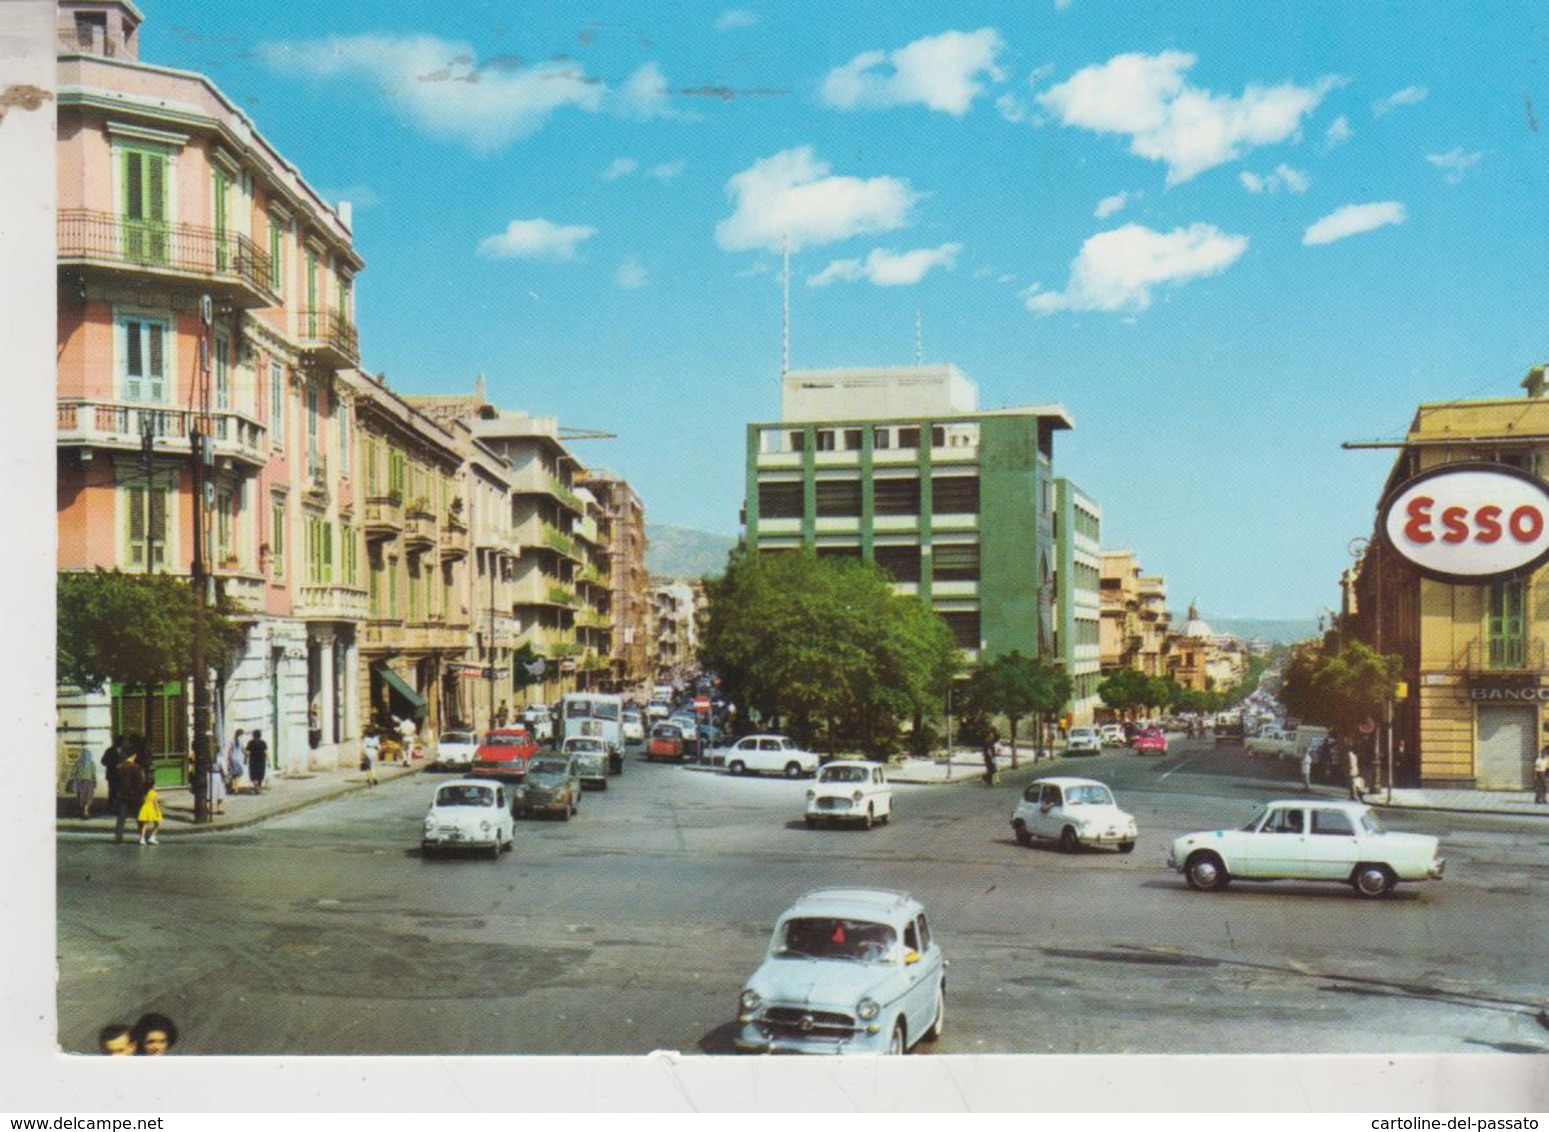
[{"x": 1469, "y": 522}]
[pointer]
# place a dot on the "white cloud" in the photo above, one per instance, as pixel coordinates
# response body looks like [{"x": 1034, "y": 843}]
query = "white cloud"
[
  {"x": 1406, "y": 97},
  {"x": 1117, "y": 270},
  {"x": 1012, "y": 108},
  {"x": 621, "y": 167},
  {"x": 1190, "y": 129},
  {"x": 630, "y": 274},
  {"x": 735, "y": 18},
  {"x": 1109, "y": 205},
  {"x": 536, "y": 239},
  {"x": 1454, "y": 163},
  {"x": 1284, "y": 177},
  {"x": 438, "y": 84},
  {"x": 1339, "y": 132},
  {"x": 1354, "y": 219},
  {"x": 888, "y": 269},
  {"x": 791, "y": 193},
  {"x": 646, "y": 95},
  {"x": 667, "y": 170},
  {"x": 940, "y": 72},
  {"x": 1006, "y": 278}
]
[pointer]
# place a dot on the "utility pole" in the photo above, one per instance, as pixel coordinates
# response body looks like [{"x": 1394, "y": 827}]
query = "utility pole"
[{"x": 199, "y": 443}]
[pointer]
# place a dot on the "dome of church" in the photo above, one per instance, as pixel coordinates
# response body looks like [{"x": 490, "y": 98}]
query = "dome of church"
[{"x": 1196, "y": 628}]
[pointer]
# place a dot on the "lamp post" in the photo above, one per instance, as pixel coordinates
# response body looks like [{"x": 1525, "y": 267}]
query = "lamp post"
[{"x": 200, "y": 450}]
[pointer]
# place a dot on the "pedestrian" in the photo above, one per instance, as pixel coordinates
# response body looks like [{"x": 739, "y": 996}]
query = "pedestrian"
[
  {"x": 407, "y": 730},
  {"x": 117, "y": 1040},
  {"x": 130, "y": 780},
  {"x": 367, "y": 763},
  {"x": 149, "y": 814},
  {"x": 1353, "y": 768},
  {"x": 991, "y": 741},
  {"x": 501, "y": 714},
  {"x": 236, "y": 763},
  {"x": 1307, "y": 769},
  {"x": 154, "y": 1035},
  {"x": 371, "y": 745},
  {"x": 257, "y": 760},
  {"x": 215, "y": 776},
  {"x": 83, "y": 780},
  {"x": 110, "y": 760},
  {"x": 1541, "y": 776}
]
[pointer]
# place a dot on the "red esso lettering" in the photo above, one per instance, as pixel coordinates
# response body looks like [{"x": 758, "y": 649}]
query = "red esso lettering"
[{"x": 1526, "y": 523}]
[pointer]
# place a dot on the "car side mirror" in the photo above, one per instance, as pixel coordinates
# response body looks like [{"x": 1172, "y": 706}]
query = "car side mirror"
[{"x": 911, "y": 957}]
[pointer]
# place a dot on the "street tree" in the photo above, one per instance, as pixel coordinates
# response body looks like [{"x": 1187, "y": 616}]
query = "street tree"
[
  {"x": 1340, "y": 689},
  {"x": 1014, "y": 685},
  {"x": 1124, "y": 690}
]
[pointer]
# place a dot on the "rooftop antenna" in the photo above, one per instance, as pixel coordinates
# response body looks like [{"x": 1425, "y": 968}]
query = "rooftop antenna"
[
  {"x": 785, "y": 306},
  {"x": 919, "y": 342}
]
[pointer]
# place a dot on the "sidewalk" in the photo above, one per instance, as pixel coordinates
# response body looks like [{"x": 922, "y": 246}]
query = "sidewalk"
[{"x": 283, "y": 794}]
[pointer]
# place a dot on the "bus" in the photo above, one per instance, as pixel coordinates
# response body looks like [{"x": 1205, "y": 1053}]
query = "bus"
[{"x": 596, "y": 714}]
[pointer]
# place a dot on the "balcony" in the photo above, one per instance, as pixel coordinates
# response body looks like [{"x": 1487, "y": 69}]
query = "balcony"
[
  {"x": 557, "y": 540},
  {"x": 591, "y": 619},
  {"x": 330, "y": 602},
  {"x": 329, "y": 340},
  {"x": 120, "y": 426},
  {"x": 419, "y": 528},
  {"x": 384, "y": 517},
  {"x": 1502, "y": 653},
  {"x": 237, "y": 584},
  {"x": 227, "y": 266}
]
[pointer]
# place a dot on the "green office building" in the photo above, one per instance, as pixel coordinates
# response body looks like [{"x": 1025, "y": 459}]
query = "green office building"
[{"x": 898, "y": 466}]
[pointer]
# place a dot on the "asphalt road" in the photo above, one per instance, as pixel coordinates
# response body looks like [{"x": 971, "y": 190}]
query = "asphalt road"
[{"x": 633, "y": 927}]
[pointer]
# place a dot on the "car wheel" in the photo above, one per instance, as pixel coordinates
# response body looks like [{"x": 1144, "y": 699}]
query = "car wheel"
[
  {"x": 793, "y": 770},
  {"x": 494, "y": 850},
  {"x": 896, "y": 1044},
  {"x": 1023, "y": 837},
  {"x": 564, "y": 814},
  {"x": 1126, "y": 847},
  {"x": 1068, "y": 842},
  {"x": 1373, "y": 880},
  {"x": 427, "y": 852},
  {"x": 871, "y": 818},
  {"x": 736, "y": 766},
  {"x": 811, "y": 822},
  {"x": 939, "y": 1026},
  {"x": 1205, "y": 872}
]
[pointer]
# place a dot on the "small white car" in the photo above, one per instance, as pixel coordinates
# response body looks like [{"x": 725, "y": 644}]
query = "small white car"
[
  {"x": 850, "y": 790},
  {"x": 591, "y": 755},
  {"x": 1083, "y": 741},
  {"x": 454, "y": 750},
  {"x": 1302, "y": 840},
  {"x": 848, "y": 971},
  {"x": 1113, "y": 735},
  {"x": 540, "y": 724},
  {"x": 1070, "y": 813},
  {"x": 769, "y": 754},
  {"x": 633, "y": 726},
  {"x": 470, "y": 813}
]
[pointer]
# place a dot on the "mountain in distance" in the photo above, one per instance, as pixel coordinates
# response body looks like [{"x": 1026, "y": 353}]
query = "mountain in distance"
[
  {"x": 685, "y": 553},
  {"x": 1287, "y": 632}
]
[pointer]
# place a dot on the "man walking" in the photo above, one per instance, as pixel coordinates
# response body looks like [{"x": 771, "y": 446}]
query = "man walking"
[
  {"x": 257, "y": 760},
  {"x": 1307, "y": 769},
  {"x": 991, "y": 741},
  {"x": 1357, "y": 783},
  {"x": 1541, "y": 776}
]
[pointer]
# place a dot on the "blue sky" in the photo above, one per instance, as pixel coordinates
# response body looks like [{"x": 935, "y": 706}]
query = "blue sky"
[{"x": 1225, "y": 237}]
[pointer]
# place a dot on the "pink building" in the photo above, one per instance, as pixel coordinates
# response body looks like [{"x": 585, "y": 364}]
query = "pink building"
[{"x": 203, "y": 283}]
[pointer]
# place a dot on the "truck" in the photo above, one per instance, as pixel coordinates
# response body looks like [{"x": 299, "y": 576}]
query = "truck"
[
  {"x": 598, "y": 715},
  {"x": 1286, "y": 744}
]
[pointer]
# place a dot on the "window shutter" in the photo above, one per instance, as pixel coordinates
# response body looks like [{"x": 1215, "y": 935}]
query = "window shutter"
[
  {"x": 158, "y": 530},
  {"x": 136, "y": 514},
  {"x": 134, "y": 186},
  {"x": 156, "y": 183},
  {"x": 134, "y": 360},
  {"x": 156, "y": 357}
]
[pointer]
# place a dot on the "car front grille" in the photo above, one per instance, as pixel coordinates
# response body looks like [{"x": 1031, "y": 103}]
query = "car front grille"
[
  {"x": 833, "y": 803},
  {"x": 798, "y": 1022}
]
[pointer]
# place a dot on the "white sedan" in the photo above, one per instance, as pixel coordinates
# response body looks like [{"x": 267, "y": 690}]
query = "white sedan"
[
  {"x": 850, "y": 790},
  {"x": 454, "y": 750},
  {"x": 1071, "y": 812},
  {"x": 1302, "y": 840},
  {"x": 470, "y": 813},
  {"x": 769, "y": 754}
]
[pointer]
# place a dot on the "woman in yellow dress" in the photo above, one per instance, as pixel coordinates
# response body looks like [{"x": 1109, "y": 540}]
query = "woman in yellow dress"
[{"x": 149, "y": 815}]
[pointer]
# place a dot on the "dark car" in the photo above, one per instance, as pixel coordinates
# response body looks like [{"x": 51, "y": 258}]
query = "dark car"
[{"x": 552, "y": 785}]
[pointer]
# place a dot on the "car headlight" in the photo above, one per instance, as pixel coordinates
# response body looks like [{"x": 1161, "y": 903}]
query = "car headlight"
[
  {"x": 750, "y": 1001},
  {"x": 867, "y": 1009},
  {"x": 484, "y": 827},
  {"x": 430, "y": 825},
  {"x": 811, "y": 794},
  {"x": 521, "y": 790},
  {"x": 857, "y": 796}
]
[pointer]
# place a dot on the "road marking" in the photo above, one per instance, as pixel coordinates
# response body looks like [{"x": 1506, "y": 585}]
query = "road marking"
[{"x": 1175, "y": 769}]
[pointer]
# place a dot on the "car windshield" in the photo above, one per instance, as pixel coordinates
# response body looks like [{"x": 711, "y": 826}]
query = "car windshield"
[
  {"x": 1370, "y": 824},
  {"x": 464, "y": 796},
  {"x": 665, "y": 732},
  {"x": 826, "y": 937},
  {"x": 591, "y": 709},
  {"x": 1255, "y": 821},
  {"x": 1088, "y": 795},
  {"x": 583, "y": 746},
  {"x": 508, "y": 739},
  {"x": 456, "y": 737},
  {"x": 546, "y": 766},
  {"x": 844, "y": 774}
]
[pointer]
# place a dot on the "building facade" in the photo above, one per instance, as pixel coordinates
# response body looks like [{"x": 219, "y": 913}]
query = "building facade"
[
  {"x": 1475, "y": 655},
  {"x": 1078, "y": 599},
  {"x": 897, "y": 466},
  {"x": 631, "y": 659}
]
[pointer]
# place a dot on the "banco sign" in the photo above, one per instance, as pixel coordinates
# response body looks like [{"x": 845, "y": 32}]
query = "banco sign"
[{"x": 1469, "y": 523}]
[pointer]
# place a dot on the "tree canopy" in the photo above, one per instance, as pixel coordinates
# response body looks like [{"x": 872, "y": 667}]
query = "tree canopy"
[
  {"x": 1014, "y": 685},
  {"x": 134, "y": 628},
  {"x": 1339, "y": 689},
  {"x": 825, "y": 641}
]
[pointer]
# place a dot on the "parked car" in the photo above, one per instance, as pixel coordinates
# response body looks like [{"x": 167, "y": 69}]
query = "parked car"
[
  {"x": 591, "y": 756},
  {"x": 850, "y": 790},
  {"x": 633, "y": 726},
  {"x": 552, "y": 786},
  {"x": 468, "y": 814},
  {"x": 1083, "y": 741},
  {"x": 539, "y": 721},
  {"x": 769, "y": 754},
  {"x": 504, "y": 753},
  {"x": 455, "y": 750},
  {"x": 666, "y": 742},
  {"x": 1151, "y": 741},
  {"x": 847, "y": 971},
  {"x": 1272, "y": 742},
  {"x": 1304, "y": 840},
  {"x": 1112, "y": 735},
  {"x": 688, "y": 724},
  {"x": 1071, "y": 812},
  {"x": 658, "y": 709}
]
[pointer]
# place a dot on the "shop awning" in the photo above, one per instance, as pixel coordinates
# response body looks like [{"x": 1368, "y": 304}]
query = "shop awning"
[{"x": 401, "y": 689}]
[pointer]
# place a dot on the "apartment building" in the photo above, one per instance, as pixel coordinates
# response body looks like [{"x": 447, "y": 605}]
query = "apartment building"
[
  {"x": 899, "y": 467},
  {"x": 204, "y": 287},
  {"x": 1135, "y": 618},
  {"x": 1078, "y": 601},
  {"x": 622, "y": 545},
  {"x": 677, "y": 626},
  {"x": 1475, "y": 653}
]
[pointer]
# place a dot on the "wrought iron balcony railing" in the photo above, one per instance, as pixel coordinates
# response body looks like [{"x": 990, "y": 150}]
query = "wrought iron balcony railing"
[{"x": 163, "y": 246}]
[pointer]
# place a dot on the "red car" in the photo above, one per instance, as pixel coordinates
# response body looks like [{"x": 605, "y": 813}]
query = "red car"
[
  {"x": 666, "y": 742},
  {"x": 504, "y": 753},
  {"x": 1151, "y": 741}
]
